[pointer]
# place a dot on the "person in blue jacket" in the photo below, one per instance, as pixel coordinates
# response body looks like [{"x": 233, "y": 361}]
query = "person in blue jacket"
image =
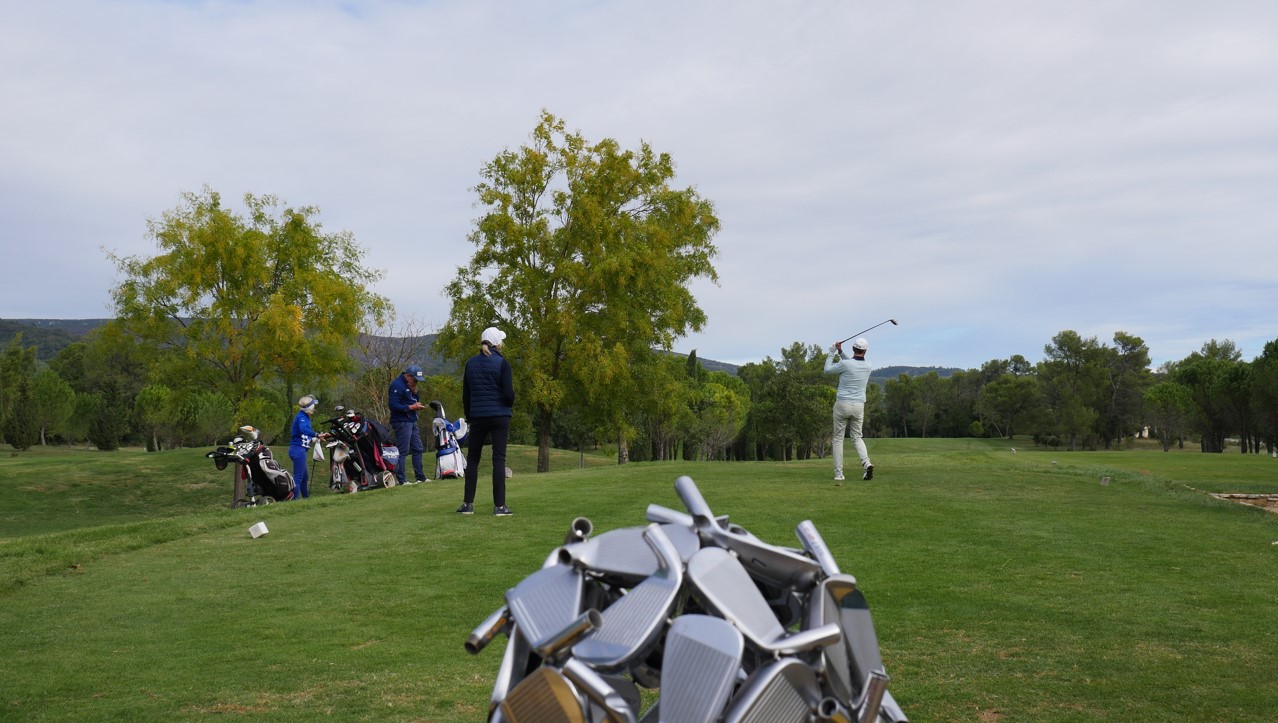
[
  {"x": 488, "y": 400},
  {"x": 300, "y": 440},
  {"x": 403, "y": 422}
]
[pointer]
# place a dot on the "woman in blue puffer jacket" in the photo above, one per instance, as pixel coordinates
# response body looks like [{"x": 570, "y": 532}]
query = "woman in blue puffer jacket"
[{"x": 488, "y": 400}]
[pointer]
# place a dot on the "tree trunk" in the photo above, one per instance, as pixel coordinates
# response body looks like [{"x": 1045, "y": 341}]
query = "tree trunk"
[
  {"x": 545, "y": 418},
  {"x": 623, "y": 451}
]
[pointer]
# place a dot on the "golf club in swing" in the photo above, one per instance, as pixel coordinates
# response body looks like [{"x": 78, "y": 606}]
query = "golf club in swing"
[{"x": 881, "y": 323}]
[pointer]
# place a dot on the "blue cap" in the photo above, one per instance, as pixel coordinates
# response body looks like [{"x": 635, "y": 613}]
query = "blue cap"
[{"x": 415, "y": 371}]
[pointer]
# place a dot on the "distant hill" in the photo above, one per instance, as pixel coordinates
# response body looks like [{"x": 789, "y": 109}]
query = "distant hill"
[
  {"x": 50, "y": 336},
  {"x": 879, "y": 376}
]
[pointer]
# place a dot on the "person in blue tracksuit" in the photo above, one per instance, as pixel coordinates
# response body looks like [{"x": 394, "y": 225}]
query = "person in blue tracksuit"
[
  {"x": 488, "y": 400},
  {"x": 403, "y": 421},
  {"x": 303, "y": 434}
]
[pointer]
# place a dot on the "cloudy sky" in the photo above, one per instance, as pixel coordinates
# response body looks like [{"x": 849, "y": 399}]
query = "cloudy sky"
[{"x": 986, "y": 173}]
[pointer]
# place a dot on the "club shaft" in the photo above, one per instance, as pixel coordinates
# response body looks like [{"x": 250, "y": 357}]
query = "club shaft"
[{"x": 859, "y": 333}]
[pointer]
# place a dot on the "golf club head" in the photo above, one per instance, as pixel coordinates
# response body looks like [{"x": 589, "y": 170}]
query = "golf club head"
[
  {"x": 816, "y": 547},
  {"x": 823, "y": 609},
  {"x": 859, "y": 639},
  {"x": 767, "y": 562},
  {"x": 622, "y": 555},
  {"x": 727, "y": 589},
  {"x": 786, "y": 690},
  {"x": 632, "y": 624},
  {"x": 545, "y": 696},
  {"x": 546, "y": 602},
  {"x": 701, "y": 662},
  {"x": 603, "y": 693}
]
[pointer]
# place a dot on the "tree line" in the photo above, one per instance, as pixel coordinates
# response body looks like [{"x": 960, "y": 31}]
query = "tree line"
[
  {"x": 105, "y": 391},
  {"x": 584, "y": 254}
]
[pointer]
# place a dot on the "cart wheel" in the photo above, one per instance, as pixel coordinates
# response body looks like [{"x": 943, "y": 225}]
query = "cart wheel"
[
  {"x": 388, "y": 479},
  {"x": 265, "y": 500},
  {"x": 240, "y": 503},
  {"x": 352, "y": 487}
]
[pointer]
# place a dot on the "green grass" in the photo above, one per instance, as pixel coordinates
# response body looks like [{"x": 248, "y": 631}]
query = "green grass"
[{"x": 1004, "y": 587}]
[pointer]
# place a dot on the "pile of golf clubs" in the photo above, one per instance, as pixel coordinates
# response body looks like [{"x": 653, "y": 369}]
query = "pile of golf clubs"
[{"x": 726, "y": 626}]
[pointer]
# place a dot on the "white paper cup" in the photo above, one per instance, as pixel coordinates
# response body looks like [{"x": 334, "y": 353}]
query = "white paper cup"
[{"x": 258, "y": 530}]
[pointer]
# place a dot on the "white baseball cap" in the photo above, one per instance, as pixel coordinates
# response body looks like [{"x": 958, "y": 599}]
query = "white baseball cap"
[
  {"x": 860, "y": 343},
  {"x": 493, "y": 336}
]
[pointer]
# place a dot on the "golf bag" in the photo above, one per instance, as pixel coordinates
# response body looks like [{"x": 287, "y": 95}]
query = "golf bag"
[
  {"x": 357, "y": 459},
  {"x": 450, "y": 461},
  {"x": 259, "y": 480}
]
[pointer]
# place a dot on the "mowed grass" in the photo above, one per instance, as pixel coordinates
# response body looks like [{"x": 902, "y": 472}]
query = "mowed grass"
[{"x": 1004, "y": 587}]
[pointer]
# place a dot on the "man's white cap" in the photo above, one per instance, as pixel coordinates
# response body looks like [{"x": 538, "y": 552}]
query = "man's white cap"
[
  {"x": 493, "y": 336},
  {"x": 860, "y": 343}
]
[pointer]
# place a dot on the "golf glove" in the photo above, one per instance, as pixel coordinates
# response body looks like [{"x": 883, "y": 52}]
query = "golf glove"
[{"x": 833, "y": 350}]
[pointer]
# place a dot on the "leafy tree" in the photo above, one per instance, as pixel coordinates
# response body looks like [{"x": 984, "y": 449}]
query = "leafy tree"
[
  {"x": 52, "y": 401},
  {"x": 234, "y": 300},
  {"x": 109, "y": 420},
  {"x": 722, "y": 414},
  {"x": 1204, "y": 373},
  {"x": 76, "y": 427},
  {"x": 1265, "y": 394},
  {"x": 584, "y": 256},
  {"x": 202, "y": 416},
  {"x": 1011, "y": 403},
  {"x": 153, "y": 413},
  {"x": 17, "y": 364},
  {"x": 1168, "y": 407},
  {"x": 928, "y": 392},
  {"x": 1127, "y": 376},
  {"x": 70, "y": 366},
  {"x": 1073, "y": 377},
  {"x": 21, "y": 428},
  {"x": 899, "y": 402}
]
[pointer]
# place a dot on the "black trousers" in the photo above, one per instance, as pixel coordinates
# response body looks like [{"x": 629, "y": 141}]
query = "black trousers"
[{"x": 483, "y": 429}]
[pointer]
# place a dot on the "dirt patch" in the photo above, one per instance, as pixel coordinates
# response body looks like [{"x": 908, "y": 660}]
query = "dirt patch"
[{"x": 1268, "y": 503}]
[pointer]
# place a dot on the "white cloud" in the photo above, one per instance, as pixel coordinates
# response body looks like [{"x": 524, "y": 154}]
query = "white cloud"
[{"x": 989, "y": 173}]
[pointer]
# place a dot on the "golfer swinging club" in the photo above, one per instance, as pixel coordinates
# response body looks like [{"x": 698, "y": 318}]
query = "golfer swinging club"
[{"x": 849, "y": 404}]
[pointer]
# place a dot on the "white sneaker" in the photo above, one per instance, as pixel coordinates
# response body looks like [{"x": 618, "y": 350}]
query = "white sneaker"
[
  {"x": 838, "y": 478},
  {"x": 869, "y": 472}
]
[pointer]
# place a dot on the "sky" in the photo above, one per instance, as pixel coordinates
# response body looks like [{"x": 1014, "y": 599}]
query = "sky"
[{"x": 988, "y": 174}]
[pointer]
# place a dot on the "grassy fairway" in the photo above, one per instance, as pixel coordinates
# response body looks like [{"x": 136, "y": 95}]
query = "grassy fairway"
[{"x": 1004, "y": 587}]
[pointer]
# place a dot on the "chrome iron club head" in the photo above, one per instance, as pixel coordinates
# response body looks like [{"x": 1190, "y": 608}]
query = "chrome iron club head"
[
  {"x": 546, "y": 601},
  {"x": 723, "y": 584},
  {"x": 631, "y": 625},
  {"x": 700, "y": 665},
  {"x": 622, "y": 556},
  {"x": 786, "y": 690}
]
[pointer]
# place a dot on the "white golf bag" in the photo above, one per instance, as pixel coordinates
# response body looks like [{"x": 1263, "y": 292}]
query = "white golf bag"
[{"x": 450, "y": 461}]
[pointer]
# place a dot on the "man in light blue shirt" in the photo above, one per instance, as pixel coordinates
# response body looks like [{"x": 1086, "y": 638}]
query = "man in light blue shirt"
[{"x": 849, "y": 403}]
